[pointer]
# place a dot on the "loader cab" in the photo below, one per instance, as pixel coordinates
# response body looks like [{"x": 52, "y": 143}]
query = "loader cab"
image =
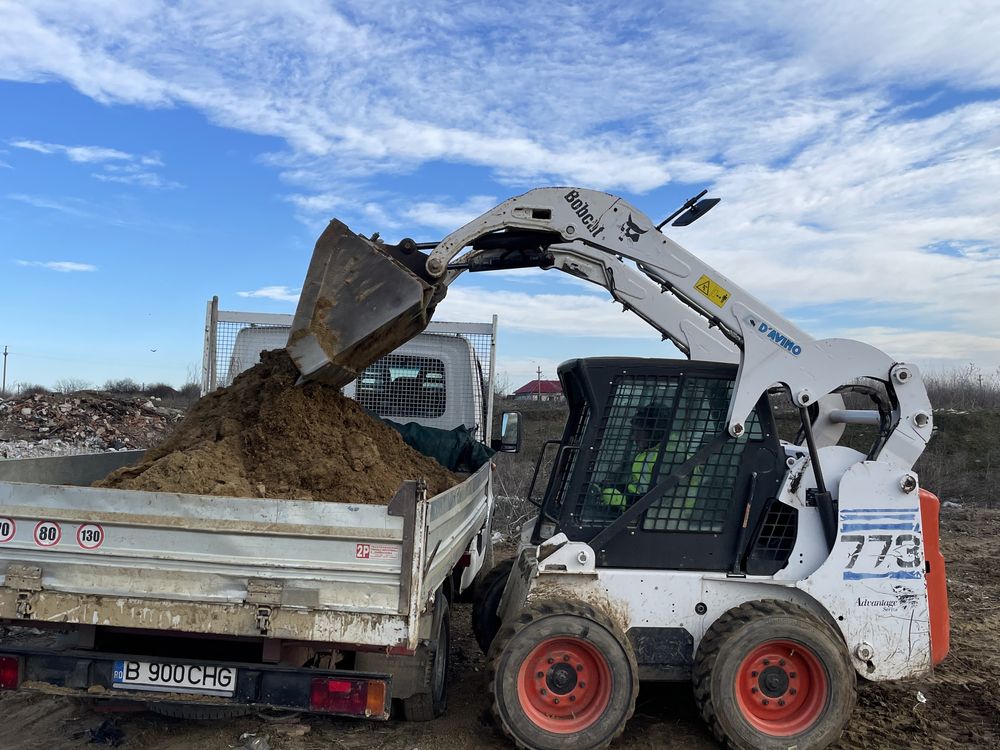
[{"x": 631, "y": 423}]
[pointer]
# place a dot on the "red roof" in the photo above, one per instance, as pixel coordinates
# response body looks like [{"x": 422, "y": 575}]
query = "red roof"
[{"x": 539, "y": 386}]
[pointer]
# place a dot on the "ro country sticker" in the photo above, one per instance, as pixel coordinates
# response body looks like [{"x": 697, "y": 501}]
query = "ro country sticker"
[
  {"x": 715, "y": 292},
  {"x": 7, "y": 529},
  {"x": 47, "y": 533},
  {"x": 90, "y": 536}
]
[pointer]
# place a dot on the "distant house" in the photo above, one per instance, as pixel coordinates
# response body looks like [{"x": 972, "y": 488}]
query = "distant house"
[{"x": 539, "y": 390}]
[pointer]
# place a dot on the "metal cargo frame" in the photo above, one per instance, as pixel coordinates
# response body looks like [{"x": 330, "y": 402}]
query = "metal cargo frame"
[{"x": 222, "y": 329}]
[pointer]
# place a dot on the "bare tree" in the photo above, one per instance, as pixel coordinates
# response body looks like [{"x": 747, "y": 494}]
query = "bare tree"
[{"x": 70, "y": 385}]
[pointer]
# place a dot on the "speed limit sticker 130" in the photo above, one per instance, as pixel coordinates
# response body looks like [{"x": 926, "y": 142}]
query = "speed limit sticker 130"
[
  {"x": 7, "y": 529},
  {"x": 47, "y": 533},
  {"x": 90, "y": 536}
]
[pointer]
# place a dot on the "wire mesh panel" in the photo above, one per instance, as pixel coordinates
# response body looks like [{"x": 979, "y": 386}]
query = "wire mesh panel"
[
  {"x": 653, "y": 425},
  {"x": 776, "y": 539},
  {"x": 623, "y": 464},
  {"x": 402, "y": 385},
  {"x": 240, "y": 346},
  {"x": 441, "y": 378}
]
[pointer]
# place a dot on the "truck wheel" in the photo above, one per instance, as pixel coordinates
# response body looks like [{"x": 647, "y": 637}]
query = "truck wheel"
[
  {"x": 770, "y": 675},
  {"x": 562, "y": 676},
  {"x": 198, "y": 713},
  {"x": 432, "y": 704},
  {"x": 485, "y": 620}
]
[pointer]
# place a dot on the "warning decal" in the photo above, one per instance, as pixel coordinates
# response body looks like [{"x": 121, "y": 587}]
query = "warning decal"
[
  {"x": 713, "y": 291},
  {"x": 368, "y": 551}
]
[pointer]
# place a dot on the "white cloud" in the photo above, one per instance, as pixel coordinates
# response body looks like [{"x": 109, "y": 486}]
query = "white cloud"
[
  {"x": 134, "y": 174},
  {"x": 915, "y": 42},
  {"x": 63, "y": 266},
  {"x": 837, "y": 185},
  {"x": 449, "y": 217},
  {"x": 934, "y": 351},
  {"x": 277, "y": 293},
  {"x": 118, "y": 166},
  {"x": 572, "y": 315},
  {"x": 82, "y": 154},
  {"x": 71, "y": 207}
]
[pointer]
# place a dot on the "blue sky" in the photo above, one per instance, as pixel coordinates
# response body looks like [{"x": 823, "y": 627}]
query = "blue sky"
[{"x": 154, "y": 154}]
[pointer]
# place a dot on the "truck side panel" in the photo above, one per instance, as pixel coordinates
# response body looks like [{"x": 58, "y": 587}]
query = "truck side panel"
[{"x": 321, "y": 571}]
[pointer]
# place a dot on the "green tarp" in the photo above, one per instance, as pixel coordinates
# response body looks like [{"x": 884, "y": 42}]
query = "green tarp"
[{"x": 456, "y": 450}]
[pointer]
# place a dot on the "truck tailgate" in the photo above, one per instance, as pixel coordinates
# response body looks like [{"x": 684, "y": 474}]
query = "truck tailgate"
[{"x": 316, "y": 571}]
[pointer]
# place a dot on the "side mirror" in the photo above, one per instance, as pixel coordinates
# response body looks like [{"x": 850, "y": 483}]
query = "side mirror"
[{"x": 510, "y": 433}]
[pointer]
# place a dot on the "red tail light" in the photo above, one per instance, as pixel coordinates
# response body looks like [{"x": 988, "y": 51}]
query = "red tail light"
[
  {"x": 339, "y": 696},
  {"x": 10, "y": 672}
]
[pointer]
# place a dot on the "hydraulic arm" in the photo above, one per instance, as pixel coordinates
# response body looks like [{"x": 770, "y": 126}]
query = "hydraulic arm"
[{"x": 601, "y": 238}]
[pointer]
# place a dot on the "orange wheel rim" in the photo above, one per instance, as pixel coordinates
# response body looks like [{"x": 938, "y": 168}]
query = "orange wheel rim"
[
  {"x": 781, "y": 688},
  {"x": 564, "y": 685}
]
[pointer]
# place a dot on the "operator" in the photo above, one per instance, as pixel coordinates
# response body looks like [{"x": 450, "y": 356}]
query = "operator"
[{"x": 649, "y": 423}]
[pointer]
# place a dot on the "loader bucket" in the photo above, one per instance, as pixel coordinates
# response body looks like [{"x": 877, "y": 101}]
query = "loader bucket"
[{"x": 360, "y": 300}]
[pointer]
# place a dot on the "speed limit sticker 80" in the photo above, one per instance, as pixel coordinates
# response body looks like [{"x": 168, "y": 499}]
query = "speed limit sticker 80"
[{"x": 47, "y": 533}]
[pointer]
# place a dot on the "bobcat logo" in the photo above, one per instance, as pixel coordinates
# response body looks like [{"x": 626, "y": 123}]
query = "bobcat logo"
[{"x": 631, "y": 230}]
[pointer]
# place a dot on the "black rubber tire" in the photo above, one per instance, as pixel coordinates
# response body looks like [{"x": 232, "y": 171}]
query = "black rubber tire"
[
  {"x": 561, "y": 619},
  {"x": 485, "y": 620},
  {"x": 192, "y": 712},
  {"x": 433, "y": 703},
  {"x": 733, "y": 637}
]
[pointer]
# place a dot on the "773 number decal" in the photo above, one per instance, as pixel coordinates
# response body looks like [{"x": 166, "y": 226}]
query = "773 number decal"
[{"x": 883, "y": 556}]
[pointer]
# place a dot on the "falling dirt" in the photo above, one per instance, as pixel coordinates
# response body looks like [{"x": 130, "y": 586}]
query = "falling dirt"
[
  {"x": 961, "y": 710},
  {"x": 263, "y": 436}
]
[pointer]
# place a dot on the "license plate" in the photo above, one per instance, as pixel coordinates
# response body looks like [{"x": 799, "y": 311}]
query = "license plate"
[{"x": 202, "y": 679}]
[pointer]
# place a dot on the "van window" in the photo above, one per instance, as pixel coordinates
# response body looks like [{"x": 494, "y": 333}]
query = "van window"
[{"x": 401, "y": 385}]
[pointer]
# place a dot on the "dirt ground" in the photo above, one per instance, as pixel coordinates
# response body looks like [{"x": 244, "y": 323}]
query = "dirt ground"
[
  {"x": 962, "y": 708},
  {"x": 264, "y": 437}
]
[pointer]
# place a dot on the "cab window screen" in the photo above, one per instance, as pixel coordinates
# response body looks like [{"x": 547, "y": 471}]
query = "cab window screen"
[
  {"x": 700, "y": 503},
  {"x": 651, "y": 426},
  {"x": 611, "y": 478}
]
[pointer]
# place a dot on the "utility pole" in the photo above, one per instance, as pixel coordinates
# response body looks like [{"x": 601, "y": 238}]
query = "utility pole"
[
  {"x": 3, "y": 388},
  {"x": 539, "y": 387}
]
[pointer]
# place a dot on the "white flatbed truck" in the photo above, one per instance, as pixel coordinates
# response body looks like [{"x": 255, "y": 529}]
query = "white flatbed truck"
[{"x": 203, "y": 606}]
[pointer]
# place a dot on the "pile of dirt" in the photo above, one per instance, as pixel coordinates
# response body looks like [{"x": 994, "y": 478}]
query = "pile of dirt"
[
  {"x": 97, "y": 421},
  {"x": 264, "y": 437}
]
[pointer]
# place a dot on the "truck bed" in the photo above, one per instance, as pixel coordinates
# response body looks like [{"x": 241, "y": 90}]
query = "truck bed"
[{"x": 325, "y": 572}]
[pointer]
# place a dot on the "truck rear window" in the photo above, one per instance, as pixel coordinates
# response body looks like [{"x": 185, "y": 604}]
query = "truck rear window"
[{"x": 400, "y": 385}]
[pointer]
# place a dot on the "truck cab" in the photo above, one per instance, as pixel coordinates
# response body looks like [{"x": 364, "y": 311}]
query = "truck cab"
[{"x": 435, "y": 379}]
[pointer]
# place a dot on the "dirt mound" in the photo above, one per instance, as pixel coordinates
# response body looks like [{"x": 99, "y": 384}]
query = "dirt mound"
[{"x": 264, "y": 437}]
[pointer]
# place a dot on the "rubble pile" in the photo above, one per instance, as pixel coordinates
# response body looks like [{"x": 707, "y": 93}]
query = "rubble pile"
[{"x": 86, "y": 421}]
